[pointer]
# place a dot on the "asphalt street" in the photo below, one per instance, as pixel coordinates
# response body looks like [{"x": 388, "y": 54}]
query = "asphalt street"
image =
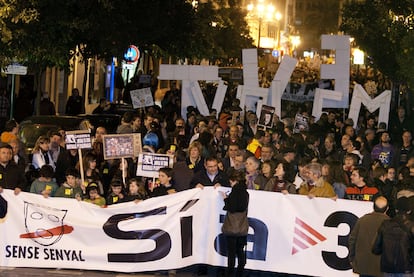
[
  {"x": 34, "y": 272},
  {"x": 48, "y": 272}
]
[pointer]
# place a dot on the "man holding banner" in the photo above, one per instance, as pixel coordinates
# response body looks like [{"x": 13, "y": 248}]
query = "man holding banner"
[
  {"x": 210, "y": 176},
  {"x": 11, "y": 176}
]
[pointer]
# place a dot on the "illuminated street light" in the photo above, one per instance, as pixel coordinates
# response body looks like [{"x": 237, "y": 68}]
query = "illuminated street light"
[
  {"x": 278, "y": 17},
  {"x": 295, "y": 40},
  {"x": 267, "y": 12}
]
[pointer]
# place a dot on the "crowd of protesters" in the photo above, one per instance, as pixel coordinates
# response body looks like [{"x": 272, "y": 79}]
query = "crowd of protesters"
[{"x": 332, "y": 157}]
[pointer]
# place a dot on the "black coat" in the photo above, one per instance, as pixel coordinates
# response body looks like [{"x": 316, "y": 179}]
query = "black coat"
[
  {"x": 202, "y": 178},
  {"x": 395, "y": 245},
  {"x": 12, "y": 176},
  {"x": 182, "y": 176},
  {"x": 238, "y": 199}
]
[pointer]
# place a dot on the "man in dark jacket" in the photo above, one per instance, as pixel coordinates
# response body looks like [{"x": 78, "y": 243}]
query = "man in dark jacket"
[
  {"x": 211, "y": 176},
  {"x": 11, "y": 176},
  {"x": 46, "y": 107},
  {"x": 394, "y": 242},
  {"x": 74, "y": 104},
  {"x": 404, "y": 151},
  {"x": 363, "y": 261}
]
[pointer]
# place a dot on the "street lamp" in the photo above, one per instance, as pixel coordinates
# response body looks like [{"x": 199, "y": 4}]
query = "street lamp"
[
  {"x": 295, "y": 40},
  {"x": 259, "y": 8},
  {"x": 278, "y": 17},
  {"x": 263, "y": 11}
]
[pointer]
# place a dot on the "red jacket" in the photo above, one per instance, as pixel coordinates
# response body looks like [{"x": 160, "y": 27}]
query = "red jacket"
[{"x": 363, "y": 194}]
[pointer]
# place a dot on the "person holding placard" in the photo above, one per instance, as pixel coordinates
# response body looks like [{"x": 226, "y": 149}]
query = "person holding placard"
[{"x": 164, "y": 187}]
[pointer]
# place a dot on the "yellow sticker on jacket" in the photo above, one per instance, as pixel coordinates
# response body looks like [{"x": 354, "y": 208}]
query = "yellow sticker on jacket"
[
  {"x": 68, "y": 191},
  {"x": 48, "y": 187}
]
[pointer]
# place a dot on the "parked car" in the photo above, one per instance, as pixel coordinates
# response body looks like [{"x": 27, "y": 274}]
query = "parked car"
[
  {"x": 34, "y": 126},
  {"x": 109, "y": 121}
]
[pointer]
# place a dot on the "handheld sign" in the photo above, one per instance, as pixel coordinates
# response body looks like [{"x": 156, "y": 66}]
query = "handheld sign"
[
  {"x": 122, "y": 146},
  {"x": 142, "y": 98},
  {"x": 150, "y": 163},
  {"x": 301, "y": 123},
  {"x": 79, "y": 139},
  {"x": 266, "y": 116}
]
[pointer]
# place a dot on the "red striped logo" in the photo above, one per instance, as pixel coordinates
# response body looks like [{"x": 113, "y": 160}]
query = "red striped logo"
[{"x": 305, "y": 236}]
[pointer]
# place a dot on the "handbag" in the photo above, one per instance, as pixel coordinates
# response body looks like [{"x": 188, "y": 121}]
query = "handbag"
[{"x": 235, "y": 224}]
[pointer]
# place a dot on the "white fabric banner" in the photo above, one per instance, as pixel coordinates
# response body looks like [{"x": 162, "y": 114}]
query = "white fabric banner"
[{"x": 288, "y": 233}]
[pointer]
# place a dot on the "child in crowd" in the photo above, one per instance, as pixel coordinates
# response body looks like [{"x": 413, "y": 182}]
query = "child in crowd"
[
  {"x": 116, "y": 194},
  {"x": 165, "y": 187},
  {"x": 120, "y": 170},
  {"x": 93, "y": 196},
  {"x": 91, "y": 172},
  {"x": 45, "y": 184},
  {"x": 350, "y": 162},
  {"x": 70, "y": 188},
  {"x": 136, "y": 190}
]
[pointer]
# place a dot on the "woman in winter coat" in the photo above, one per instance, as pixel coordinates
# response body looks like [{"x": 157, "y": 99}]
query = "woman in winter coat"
[{"x": 235, "y": 226}]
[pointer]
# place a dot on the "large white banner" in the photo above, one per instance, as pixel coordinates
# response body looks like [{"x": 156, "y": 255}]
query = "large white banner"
[{"x": 177, "y": 230}]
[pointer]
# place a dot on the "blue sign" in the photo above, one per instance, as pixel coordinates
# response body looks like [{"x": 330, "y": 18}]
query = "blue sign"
[
  {"x": 275, "y": 53},
  {"x": 132, "y": 54}
]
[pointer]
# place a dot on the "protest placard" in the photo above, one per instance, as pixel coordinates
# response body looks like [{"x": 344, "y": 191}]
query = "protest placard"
[
  {"x": 266, "y": 116},
  {"x": 80, "y": 139},
  {"x": 122, "y": 146},
  {"x": 301, "y": 123},
  {"x": 142, "y": 98},
  {"x": 150, "y": 163}
]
